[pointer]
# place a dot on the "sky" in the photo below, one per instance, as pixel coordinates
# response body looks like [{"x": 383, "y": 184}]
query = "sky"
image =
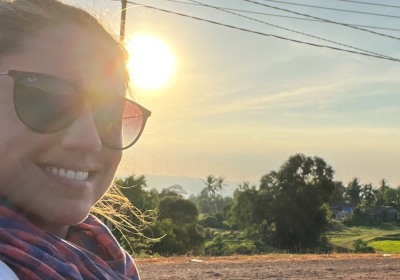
[{"x": 239, "y": 104}]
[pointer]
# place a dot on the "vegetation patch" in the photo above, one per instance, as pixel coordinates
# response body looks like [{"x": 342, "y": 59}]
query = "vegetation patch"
[
  {"x": 375, "y": 237},
  {"x": 387, "y": 246},
  {"x": 292, "y": 210}
]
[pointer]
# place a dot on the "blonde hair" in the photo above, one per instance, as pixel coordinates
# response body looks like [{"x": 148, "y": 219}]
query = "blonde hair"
[{"x": 23, "y": 19}]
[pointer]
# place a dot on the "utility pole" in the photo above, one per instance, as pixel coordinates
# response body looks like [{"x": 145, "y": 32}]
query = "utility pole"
[{"x": 123, "y": 20}]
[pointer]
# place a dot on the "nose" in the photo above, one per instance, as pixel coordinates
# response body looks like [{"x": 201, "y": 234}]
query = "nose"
[{"x": 82, "y": 133}]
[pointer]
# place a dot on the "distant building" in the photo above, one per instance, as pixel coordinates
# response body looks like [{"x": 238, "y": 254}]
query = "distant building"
[
  {"x": 339, "y": 215},
  {"x": 341, "y": 210},
  {"x": 383, "y": 213}
]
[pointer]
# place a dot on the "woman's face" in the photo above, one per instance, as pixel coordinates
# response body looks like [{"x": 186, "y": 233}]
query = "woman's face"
[{"x": 28, "y": 159}]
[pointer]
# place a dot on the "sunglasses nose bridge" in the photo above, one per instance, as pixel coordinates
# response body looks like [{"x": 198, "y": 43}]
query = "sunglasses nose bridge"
[{"x": 82, "y": 133}]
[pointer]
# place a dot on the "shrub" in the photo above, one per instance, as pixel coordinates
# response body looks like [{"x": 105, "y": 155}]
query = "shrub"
[
  {"x": 220, "y": 248},
  {"x": 208, "y": 233},
  {"x": 176, "y": 240},
  {"x": 360, "y": 246},
  {"x": 209, "y": 222},
  {"x": 219, "y": 217}
]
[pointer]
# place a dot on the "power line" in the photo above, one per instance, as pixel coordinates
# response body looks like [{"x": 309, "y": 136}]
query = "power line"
[
  {"x": 326, "y": 20},
  {"x": 333, "y": 9},
  {"x": 368, "y": 3},
  {"x": 287, "y": 29},
  {"x": 282, "y": 16},
  {"x": 263, "y": 34}
]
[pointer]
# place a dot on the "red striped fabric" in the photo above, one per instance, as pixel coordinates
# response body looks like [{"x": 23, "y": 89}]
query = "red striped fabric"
[{"x": 88, "y": 252}]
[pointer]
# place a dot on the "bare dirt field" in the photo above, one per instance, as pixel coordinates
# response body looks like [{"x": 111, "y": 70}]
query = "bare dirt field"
[{"x": 336, "y": 266}]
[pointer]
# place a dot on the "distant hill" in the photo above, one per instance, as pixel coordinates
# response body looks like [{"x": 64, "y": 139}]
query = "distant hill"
[{"x": 190, "y": 185}]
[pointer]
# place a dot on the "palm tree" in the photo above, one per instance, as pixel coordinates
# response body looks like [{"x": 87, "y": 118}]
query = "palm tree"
[
  {"x": 369, "y": 195},
  {"x": 384, "y": 186},
  {"x": 219, "y": 187},
  {"x": 219, "y": 184},
  {"x": 353, "y": 191},
  {"x": 381, "y": 192},
  {"x": 210, "y": 186}
]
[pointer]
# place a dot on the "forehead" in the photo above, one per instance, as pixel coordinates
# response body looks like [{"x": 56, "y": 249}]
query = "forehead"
[{"x": 74, "y": 54}]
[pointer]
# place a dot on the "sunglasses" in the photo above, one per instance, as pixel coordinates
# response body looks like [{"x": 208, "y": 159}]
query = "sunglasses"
[{"x": 48, "y": 104}]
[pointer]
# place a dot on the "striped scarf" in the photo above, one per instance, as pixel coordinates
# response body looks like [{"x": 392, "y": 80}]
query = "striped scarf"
[{"x": 88, "y": 252}]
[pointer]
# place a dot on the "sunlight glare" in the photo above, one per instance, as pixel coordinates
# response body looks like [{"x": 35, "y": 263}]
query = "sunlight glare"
[{"x": 151, "y": 62}]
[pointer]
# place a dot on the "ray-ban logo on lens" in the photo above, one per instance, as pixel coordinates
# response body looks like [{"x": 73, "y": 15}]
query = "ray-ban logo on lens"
[{"x": 32, "y": 80}]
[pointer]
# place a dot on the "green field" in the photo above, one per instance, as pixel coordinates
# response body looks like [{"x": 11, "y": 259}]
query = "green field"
[
  {"x": 386, "y": 246},
  {"x": 385, "y": 239}
]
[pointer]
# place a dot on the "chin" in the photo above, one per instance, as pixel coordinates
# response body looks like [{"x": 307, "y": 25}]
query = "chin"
[
  {"x": 71, "y": 215},
  {"x": 70, "y": 219}
]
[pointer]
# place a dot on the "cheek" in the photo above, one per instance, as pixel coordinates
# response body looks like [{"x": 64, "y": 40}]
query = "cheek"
[
  {"x": 15, "y": 143},
  {"x": 111, "y": 158},
  {"x": 18, "y": 149}
]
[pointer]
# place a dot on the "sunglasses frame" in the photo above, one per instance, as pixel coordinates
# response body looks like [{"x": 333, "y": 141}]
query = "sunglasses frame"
[{"x": 16, "y": 75}]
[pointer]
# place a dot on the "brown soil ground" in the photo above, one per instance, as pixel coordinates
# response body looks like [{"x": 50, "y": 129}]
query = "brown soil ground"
[{"x": 335, "y": 266}]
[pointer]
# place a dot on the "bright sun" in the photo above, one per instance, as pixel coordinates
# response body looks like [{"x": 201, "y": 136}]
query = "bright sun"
[{"x": 151, "y": 62}]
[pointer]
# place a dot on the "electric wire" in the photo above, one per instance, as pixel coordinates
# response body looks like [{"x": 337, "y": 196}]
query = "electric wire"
[
  {"x": 263, "y": 34},
  {"x": 287, "y": 29},
  {"x": 333, "y": 9},
  {"x": 282, "y": 16},
  {"x": 326, "y": 20},
  {"x": 368, "y": 3}
]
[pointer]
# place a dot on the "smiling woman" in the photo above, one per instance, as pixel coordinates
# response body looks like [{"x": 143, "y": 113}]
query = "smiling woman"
[
  {"x": 151, "y": 62},
  {"x": 64, "y": 121}
]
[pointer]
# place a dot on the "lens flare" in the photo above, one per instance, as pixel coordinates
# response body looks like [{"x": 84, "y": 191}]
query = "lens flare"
[{"x": 151, "y": 62}]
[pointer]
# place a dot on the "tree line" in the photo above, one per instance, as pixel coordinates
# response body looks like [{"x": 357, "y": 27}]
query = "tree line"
[{"x": 288, "y": 210}]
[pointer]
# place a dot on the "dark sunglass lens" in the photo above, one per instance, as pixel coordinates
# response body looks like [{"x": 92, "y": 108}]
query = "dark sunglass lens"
[
  {"x": 119, "y": 124},
  {"x": 44, "y": 104}
]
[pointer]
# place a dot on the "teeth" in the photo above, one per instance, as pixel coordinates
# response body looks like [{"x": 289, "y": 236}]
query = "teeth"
[
  {"x": 61, "y": 172},
  {"x": 69, "y": 174},
  {"x": 80, "y": 176}
]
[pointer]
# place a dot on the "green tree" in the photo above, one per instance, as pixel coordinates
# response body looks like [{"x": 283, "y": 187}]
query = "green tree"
[
  {"x": 168, "y": 192},
  {"x": 205, "y": 205},
  {"x": 168, "y": 244},
  {"x": 219, "y": 184},
  {"x": 338, "y": 195},
  {"x": 383, "y": 186},
  {"x": 212, "y": 186},
  {"x": 353, "y": 191},
  {"x": 178, "y": 219},
  {"x": 135, "y": 189},
  {"x": 369, "y": 195},
  {"x": 391, "y": 197},
  {"x": 289, "y": 209},
  {"x": 178, "y": 209},
  {"x": 243, "y": 209}
]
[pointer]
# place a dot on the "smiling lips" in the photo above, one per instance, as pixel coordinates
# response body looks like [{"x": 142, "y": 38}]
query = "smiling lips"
[{"x": 68, "y": 174}]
